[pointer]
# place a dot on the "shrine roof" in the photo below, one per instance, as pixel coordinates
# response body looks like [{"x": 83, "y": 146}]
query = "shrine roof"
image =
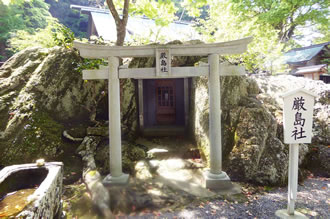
[
  {"x": 137, "y": 27},
  {"x": 303, "y": 54},
  {"x": 312, "y": 68}
]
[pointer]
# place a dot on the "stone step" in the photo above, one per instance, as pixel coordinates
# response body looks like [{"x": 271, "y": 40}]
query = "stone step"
[
  {"x": 165, "y": 148},
  {"x": 162, "y": 131},
  {"x": 161, "y": 153}
]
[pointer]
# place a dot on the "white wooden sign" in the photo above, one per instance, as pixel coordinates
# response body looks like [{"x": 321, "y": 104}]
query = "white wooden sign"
[
  {"x": 298, "y": 116},
  {"x": 297, "y": 121}
]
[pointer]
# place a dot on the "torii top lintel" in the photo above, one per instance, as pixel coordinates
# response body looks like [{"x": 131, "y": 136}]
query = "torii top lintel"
[{"x": 223, "y": 48}]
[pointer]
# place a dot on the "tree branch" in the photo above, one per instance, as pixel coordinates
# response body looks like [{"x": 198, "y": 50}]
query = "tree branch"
[
  {"x": 125, "y": 12},
  {"x": 114, "y": 12}
]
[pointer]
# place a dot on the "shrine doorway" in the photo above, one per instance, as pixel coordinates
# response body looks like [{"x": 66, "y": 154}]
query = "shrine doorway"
[
  {"x": 165, "y": 101},
  {"x": 164, "y": 106}
]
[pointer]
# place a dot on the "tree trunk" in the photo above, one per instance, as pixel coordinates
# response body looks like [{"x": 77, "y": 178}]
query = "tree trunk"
[
  {"x": 120, "y": 22},
  {"x": 121, "y": 33}
]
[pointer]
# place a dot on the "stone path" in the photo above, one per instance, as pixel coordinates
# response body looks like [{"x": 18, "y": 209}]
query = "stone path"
[
  {"x": 169, "y": 147},
  {"x": 313, "y": 200},
  {"x": 170, "y": 185}
]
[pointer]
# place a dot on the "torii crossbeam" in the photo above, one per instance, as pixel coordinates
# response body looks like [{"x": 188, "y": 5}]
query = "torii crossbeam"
[{"x": 215, "y": 178}]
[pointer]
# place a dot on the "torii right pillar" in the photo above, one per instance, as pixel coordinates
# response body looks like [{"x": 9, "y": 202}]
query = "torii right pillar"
[{"x": 215, "y": 178}]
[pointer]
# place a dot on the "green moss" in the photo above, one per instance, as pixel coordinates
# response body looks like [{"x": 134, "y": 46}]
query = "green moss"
[
  {"x": 132, "y": 154},
  {"x": 43, "y": 134},
  {"x": 40, "y": 136}
]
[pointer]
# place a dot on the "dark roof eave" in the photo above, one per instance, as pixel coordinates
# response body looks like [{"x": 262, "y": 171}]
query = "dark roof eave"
[
  {"x": 88, "y": 10},
  {"x": 297, "y": 63},
  {"x": 309, "y": 47}
]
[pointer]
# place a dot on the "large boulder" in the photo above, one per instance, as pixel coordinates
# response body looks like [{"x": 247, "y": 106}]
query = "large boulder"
[
  {"x": 252, "y": 130},
  {"x": 42, "y": 94},
  {"x": 317, "y": 157}
]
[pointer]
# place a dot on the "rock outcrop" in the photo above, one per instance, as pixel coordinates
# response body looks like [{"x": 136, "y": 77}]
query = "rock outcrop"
[
  {"x": 317, "y": 156},
  {"x": 252, "y": 131},
  {"x": 41, "y": 94}
]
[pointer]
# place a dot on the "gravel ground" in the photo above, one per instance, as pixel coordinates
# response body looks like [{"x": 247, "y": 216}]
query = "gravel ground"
[{"x": 313, "y": 200}]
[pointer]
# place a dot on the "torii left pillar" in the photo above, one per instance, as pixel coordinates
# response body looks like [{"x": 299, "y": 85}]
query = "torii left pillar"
[{"x": 116, "y": 175}]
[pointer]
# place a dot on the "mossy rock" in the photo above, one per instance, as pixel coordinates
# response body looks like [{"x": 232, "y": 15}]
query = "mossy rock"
[
  {"x": 131, "y": 153},
  {"x": 41, "y": 95},
  {"x": 252, "y": 125}
]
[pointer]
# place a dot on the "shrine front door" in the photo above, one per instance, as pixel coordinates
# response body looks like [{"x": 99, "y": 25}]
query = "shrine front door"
[{"x": 165, "y": 102}]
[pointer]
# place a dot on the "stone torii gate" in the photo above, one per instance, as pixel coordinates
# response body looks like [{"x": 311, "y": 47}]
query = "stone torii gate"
[{"x": 215, "y": 178}]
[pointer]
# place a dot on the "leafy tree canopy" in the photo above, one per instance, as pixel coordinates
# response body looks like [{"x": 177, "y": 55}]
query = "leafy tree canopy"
[
  {"x": 263, "y": 50},
  {"x": 283, "y": 15},
  {"x": 72, "y": 19},
  {"x": 162, "y": 11},
  {"x": 16, "y": 15},
  {"x": 273, "y": 24},
  {"x": 28, "y": 15}
]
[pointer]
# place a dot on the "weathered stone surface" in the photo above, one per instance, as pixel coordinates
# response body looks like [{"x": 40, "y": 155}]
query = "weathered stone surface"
[
  {"x": 131, "y": 153},
  {"x": 98, "y": 131},
  {"x": 41, "y": 93},
  {"x": 252, "y": 131},
  {"x": 45, "y": 202},
  {"x": 128, "y": 108},
  {"x": 315, "y": 155},
  {"x": 92, "y": 178},
  {"x": 142, "y": 170},
  {"x": 274, "y": 86}
]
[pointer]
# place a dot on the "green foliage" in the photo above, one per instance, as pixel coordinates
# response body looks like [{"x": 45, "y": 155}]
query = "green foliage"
[
  {"x": 54, "y": 34},
  {"x": 27, "y": 15},
  {"x": 23, "y": 39},
  {"x": 194, "y": 7},
  {"x": 284, "y": 16},
  {"x": 264, "y": 50},
  {"x": 19, "y": 17},
  {"x": 71, "y": 18},
  {"x": 8, "y": 21},
  {"x": 151, "y": 37},
  {"x": 323, "y": 29},
  {"x": 63, "y": 36},
  {"x": 89, "y": 64},
  {"x": 162, "y": 11}
]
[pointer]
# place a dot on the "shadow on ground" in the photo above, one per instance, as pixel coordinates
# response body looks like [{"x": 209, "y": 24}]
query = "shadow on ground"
[{"x": 168, "y": 180}]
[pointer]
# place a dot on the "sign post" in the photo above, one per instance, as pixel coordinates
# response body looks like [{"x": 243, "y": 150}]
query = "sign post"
[{"x": 297, "y": 122}]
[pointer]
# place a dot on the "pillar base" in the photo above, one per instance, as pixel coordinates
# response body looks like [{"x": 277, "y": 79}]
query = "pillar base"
[
  {"x": 285, "y": 215},
  {"x": 115, "y": 180},
  {"x": 217, "y": 181}
]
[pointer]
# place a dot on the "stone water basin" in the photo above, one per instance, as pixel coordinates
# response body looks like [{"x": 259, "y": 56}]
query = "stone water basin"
[{"x": 31, "y": 190}]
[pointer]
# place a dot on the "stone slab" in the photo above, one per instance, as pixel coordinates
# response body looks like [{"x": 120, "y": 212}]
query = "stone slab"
[
  {"x": 283, "y": 213},
  {"x": 116, "y": 180},
  {"x": 217, "y": 181},
  {"x": 189, "y": 187},
  {"x": 232, "y": 190}
]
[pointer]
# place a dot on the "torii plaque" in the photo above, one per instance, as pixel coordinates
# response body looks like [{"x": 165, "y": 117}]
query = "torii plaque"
[{"x": 215, "y": 178}]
